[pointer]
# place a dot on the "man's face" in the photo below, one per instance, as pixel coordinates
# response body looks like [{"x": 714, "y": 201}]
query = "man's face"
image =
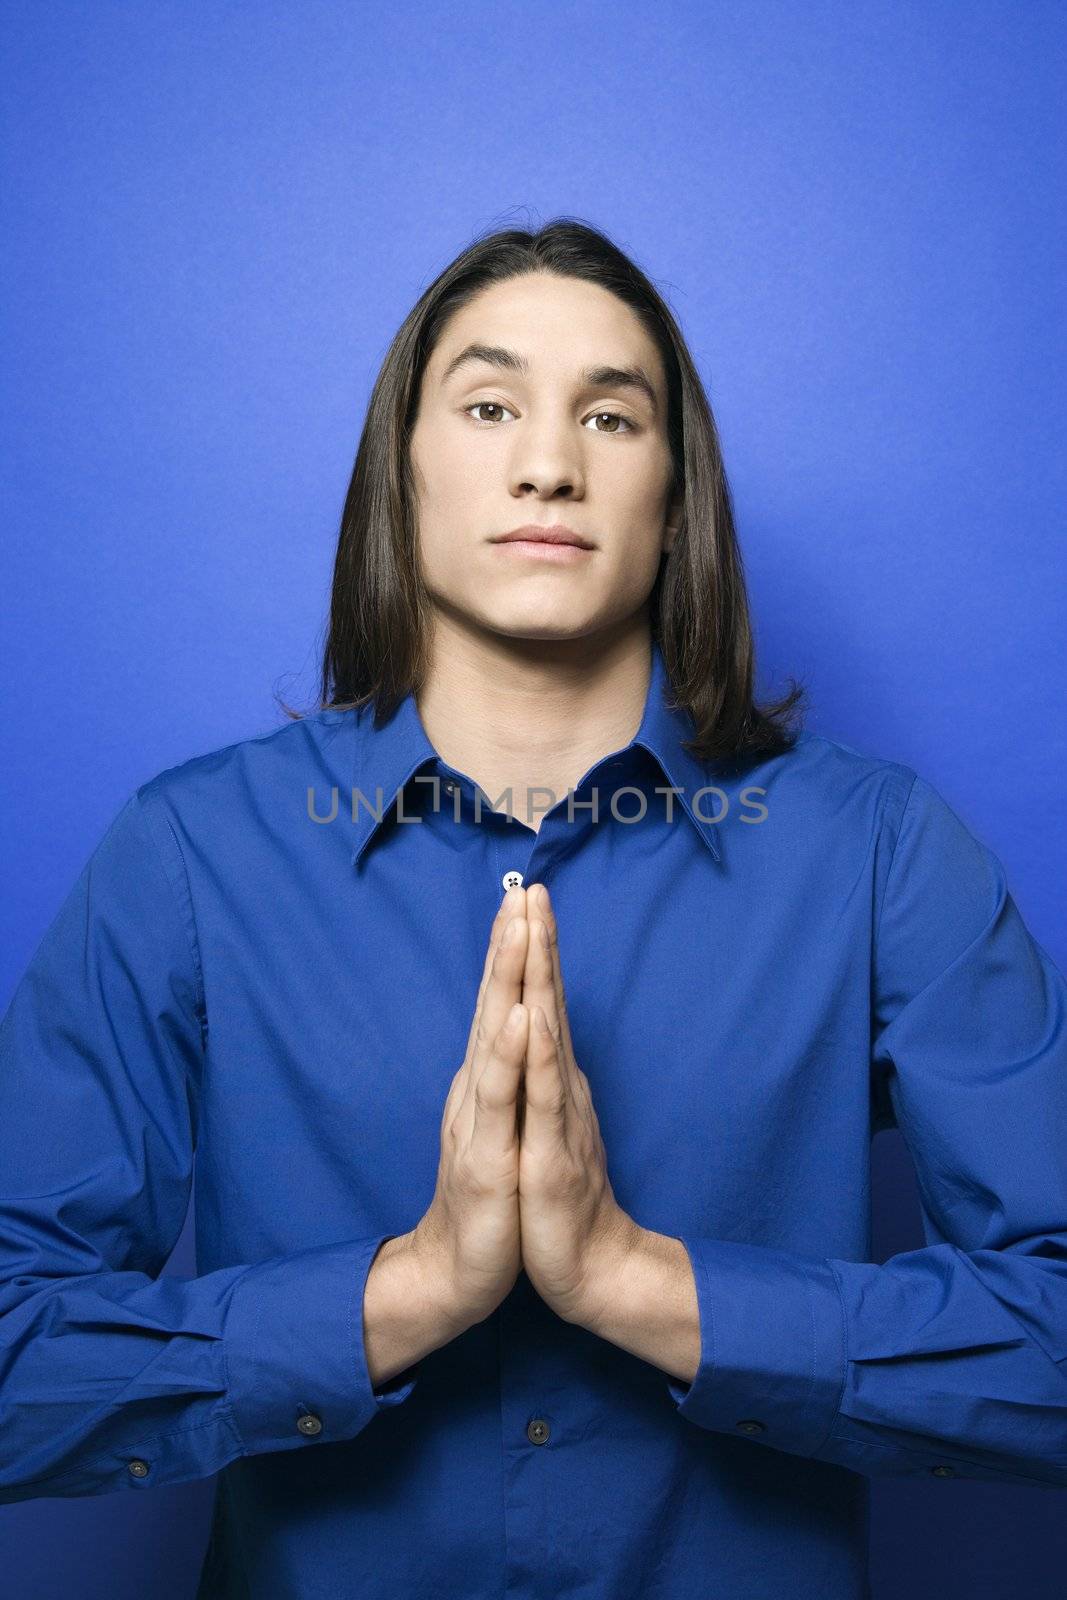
[{"x": 495, "y": 448}]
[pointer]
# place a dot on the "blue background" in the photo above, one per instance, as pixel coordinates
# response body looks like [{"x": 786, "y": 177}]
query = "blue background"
[{"x": 216, "y": 218}]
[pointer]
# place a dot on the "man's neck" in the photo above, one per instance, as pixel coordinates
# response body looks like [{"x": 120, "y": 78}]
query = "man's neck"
[{"x": 525, "y": 714}]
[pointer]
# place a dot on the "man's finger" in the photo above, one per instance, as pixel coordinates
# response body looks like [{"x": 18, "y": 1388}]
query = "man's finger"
[
  {"x": 547, "y": 1096},
  {"x": 512, "y": 905}
]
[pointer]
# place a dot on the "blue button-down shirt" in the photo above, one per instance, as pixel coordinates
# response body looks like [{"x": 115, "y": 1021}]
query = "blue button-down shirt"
[{"x": 759, "y": 976}]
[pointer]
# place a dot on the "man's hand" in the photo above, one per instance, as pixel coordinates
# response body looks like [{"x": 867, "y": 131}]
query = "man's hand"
[
  {"x": 468, "y": 1240},
  {"x": 575, "y": 1237}
]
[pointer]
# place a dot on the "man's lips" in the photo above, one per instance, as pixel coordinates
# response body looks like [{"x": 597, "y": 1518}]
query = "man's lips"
[
  {"x": 542, "y": 550},
  {"x": 556, "y": 533}
]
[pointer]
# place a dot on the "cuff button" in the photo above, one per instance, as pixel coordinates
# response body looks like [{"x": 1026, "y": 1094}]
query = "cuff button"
[
  {"x": 750, "y": 1425},
  {"x": 310, "y": 1423},
  {"x": 943, "y": 1472},
  {"x": 137, "y": 1469}
]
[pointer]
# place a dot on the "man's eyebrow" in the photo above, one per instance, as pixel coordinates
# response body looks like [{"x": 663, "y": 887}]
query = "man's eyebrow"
[{"x": 494, "y": 355}]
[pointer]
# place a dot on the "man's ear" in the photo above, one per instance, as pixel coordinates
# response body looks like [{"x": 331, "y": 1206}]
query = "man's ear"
[{"x": 673, "y": 521}]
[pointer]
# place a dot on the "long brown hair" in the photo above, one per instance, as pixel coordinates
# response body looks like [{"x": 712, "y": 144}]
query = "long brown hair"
[{"x": 379, "y": 623}]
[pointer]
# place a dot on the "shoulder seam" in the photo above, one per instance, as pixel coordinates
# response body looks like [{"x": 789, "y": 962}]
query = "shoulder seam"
[
  {"x": 893, "y": 851},
  {"x": 188, "y": 925}
]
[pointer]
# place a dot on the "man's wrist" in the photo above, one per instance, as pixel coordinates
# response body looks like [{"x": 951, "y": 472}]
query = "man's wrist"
[
  {"x": 645, "y": 1301},
  {"x": 408, "y": 1309}
]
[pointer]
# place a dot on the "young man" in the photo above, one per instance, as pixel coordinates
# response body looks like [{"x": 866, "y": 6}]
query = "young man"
[{"x": 434, "y": 1349}]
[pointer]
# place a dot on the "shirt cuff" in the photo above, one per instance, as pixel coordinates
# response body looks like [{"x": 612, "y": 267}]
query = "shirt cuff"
[
  {"x": 295, "y": 1362},
  {"x": 772, "y": 1345}
]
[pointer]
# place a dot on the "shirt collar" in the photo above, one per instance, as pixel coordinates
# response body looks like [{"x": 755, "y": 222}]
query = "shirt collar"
[{"x": 388, "y": 757}]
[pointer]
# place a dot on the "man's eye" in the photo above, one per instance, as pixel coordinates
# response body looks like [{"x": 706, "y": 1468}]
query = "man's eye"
[
  {"x": 492, "y": 404},
  {"x": 616, "y": 416}
]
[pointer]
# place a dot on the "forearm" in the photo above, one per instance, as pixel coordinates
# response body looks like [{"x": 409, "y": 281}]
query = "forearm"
[
  {"x": 407, "y": 1311},
  {"x": 646, "y": 1302}
]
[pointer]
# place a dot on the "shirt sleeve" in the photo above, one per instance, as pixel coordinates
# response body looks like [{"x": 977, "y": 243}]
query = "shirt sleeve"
[
  {"x": 112, "y": 1376},
  {"x": 951, "y": 1359}
]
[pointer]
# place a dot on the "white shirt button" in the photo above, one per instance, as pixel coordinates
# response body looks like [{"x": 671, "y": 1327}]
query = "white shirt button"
[{"x": 512, "y": 880}]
